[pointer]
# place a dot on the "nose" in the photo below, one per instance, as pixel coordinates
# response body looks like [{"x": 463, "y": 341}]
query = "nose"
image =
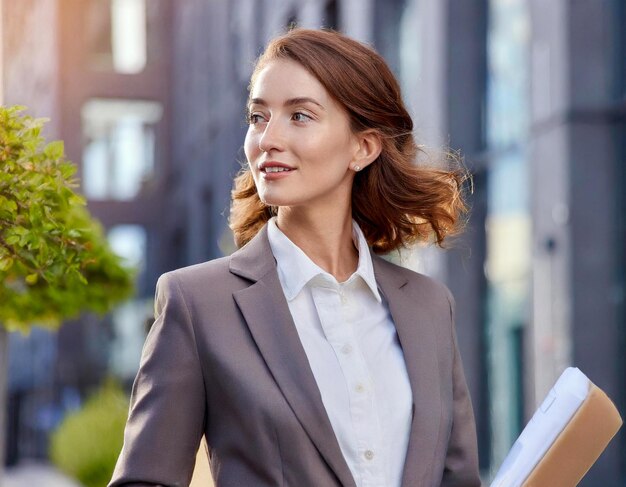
[{"x": 272, "y": 137}]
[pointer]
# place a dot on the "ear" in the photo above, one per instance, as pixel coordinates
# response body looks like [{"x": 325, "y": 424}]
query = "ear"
[{"x": 369, "y": 146}]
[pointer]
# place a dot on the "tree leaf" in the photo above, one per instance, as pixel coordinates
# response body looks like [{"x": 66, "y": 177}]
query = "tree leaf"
[
  {"x": 55, "y": 261},
  {"x": 32, "y": 279},
  {"x": 6, "y": 263},
  {"x": 55, "y": 149},
  {"x": 12, "y": 239}
]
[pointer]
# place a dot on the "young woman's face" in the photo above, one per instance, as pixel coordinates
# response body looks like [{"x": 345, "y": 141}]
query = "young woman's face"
[{"x": 299, "y": 144}]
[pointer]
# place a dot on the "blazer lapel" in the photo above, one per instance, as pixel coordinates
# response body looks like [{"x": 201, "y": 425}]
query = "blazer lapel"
[
  {"x": 267, "y": 315},
  {"x": 416, "y": 327}
]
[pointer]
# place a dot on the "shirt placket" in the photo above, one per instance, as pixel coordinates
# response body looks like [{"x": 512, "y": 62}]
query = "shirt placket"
[{"x": 338, "y": 319}]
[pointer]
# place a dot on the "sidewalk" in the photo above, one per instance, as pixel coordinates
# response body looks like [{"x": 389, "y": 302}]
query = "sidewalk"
[{"x": 36, "y": 474}]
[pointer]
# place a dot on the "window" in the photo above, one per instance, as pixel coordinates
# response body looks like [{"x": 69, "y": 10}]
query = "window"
[
  {"x": 129, "y": 319},
  {"x": 119, "y": 149},
  {"x": 117, "y": 35},
  {"x": 129, "y": 242},
  {"x": 508, "y": 223}
]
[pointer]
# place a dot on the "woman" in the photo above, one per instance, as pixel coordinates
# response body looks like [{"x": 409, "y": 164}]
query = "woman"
[{"x": 303, "y": 358}]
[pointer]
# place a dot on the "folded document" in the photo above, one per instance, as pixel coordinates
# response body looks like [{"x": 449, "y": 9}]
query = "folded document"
[{"x": 564, "y": 438}]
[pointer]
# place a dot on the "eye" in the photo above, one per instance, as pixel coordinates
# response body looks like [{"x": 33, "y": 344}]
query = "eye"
[
  {"x": 301, "y": 117},
  {"x": 254, "y": 118}
]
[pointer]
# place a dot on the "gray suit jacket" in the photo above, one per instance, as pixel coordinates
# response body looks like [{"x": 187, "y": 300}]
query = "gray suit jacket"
[{"x": 224, "y": 359}]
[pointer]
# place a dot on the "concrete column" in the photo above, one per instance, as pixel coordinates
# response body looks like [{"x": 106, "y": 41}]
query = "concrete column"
[
  {"x": 597, "y": 332},
  {"x": 429, "y": 96},
  {"x": 574, "y": 169},
  {"x": 452, "y": 39},
  {"x": 277, "y": 12},
  {"x": 465, "y": 98},
  {"x": 356, "y": 19},
  {"x": 551, "y": 322},
  {"x": 31, "y": 58},
  {"x": 312, "y": 13}
]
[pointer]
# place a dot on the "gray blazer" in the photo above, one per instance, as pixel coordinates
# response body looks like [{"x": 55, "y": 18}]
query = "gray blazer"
[{"x": 224, "y": 359}]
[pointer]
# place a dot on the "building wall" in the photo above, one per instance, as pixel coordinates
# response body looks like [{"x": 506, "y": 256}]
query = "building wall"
[
  {"x": 47, "y": 67},
  {"x": 449, "y": 112},
  {"x": 82, "y": 80},
  {"x": 29, "y": 77},
  {"x": 578, "y": 196},
  {"x": 537, "y": 289},
  {"x": 573, "y": 310},
  {"x": 30, "y": 58},
  {"x": 208, "y": 129},
  {"x": 209, "y": 89}
]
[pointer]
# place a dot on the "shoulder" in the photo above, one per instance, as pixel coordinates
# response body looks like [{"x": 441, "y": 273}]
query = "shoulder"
[
  {"x": 198, "y": 278},
  {"x": 220, "y": 277},
  {"x": 216, "y": 268},
  {"x": 197, "y": 288},
  {"x": 427, "y": 287}
]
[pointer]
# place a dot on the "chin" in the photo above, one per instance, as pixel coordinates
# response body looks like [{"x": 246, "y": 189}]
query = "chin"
[{"x": 277, "y": 200}]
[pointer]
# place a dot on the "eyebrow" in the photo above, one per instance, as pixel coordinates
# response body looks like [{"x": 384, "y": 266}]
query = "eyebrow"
[{"x": 290, "y": 102}]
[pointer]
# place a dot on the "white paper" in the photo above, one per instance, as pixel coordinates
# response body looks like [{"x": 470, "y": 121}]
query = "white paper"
[{"x": 557, "y": 409}]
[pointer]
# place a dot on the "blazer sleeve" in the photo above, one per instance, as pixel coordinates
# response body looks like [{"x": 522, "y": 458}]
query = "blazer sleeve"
[
  {"x": 461, "y": 463},
  {"x": 167, "y": 410}
]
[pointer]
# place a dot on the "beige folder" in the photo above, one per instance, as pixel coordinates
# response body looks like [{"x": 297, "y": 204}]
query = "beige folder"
[{"x": 579, "y": 445}]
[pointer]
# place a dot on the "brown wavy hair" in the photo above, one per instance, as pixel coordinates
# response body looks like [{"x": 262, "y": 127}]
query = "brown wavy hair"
[{"x": 395, "y": 201}]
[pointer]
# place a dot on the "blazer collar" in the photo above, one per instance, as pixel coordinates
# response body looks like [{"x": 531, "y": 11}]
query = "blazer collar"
[
  {"x": 255, "y": 259},
  {"x": 417, "y": 323},
  {"x": 267, "y": 315}
]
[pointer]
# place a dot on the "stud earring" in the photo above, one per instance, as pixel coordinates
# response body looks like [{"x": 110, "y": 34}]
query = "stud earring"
[{"x": 357, "y": 168}]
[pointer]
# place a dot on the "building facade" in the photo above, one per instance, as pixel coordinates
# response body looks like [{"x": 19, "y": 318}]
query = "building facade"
[{"x": 149, "y": 98}]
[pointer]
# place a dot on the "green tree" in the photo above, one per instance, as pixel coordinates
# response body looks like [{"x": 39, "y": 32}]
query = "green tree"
[{"x": 54, "y": 260}]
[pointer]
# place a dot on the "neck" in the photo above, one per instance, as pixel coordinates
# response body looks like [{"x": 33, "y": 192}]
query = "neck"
[{"x": 324, "y": 236}]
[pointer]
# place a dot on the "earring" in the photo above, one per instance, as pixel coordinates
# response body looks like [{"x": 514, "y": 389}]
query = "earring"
[{"x": 357, "y": 168}]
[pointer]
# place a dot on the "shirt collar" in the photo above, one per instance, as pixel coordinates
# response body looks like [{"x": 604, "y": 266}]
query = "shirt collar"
[{"x": 295, "y": 269}]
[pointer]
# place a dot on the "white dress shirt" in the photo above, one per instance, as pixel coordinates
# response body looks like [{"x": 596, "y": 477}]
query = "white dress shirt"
[{"x": 353, "y": 350}]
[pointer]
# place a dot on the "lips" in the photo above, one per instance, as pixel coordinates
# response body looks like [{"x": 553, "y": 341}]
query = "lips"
[
  {"x": 274, "y": 170},
  {"x": 274, "y": 167}
]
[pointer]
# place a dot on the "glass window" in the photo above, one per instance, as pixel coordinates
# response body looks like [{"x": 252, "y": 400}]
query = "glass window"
[
  {"x": 119, "y": 149},
  {"x": 128, "y": 35},
  {"x": 508, "y": 38},
  {"x": 129, "y": 242},
  {"x": 508, "y": 223},
  {"x": 129, "y": 320},
  {"x": 117, "y": 35}
]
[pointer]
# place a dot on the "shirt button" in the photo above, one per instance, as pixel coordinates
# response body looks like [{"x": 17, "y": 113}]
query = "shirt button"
[
  {"x": 360, "y": 388},
  {"x": 347, "y": 349},
  {"x": 369, "y": 454}
]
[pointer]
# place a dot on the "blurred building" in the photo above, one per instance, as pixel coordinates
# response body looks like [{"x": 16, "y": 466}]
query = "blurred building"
[
  {"x": 100, "y": 71},
  {"x": 149, "y": 97}
]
